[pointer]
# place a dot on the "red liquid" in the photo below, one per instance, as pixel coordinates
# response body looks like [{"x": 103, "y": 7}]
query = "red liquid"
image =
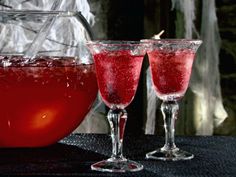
[
  {"x": 43, "y": 102},
  {"x": 118, "y": 75},
  {"x": 171, "y": 72}
]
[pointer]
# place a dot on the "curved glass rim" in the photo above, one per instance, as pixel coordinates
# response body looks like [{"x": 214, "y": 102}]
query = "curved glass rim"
[
  {"x": 173, "y": 41},
  {"x": 114, "y": 42}
]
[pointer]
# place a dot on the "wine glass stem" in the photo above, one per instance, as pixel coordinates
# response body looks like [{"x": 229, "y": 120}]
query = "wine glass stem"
[
  {"x": 169, "y": 110},
  {"x": 117, "y": 120}
]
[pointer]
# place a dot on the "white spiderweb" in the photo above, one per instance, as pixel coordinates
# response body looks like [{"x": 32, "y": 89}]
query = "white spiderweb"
[
  {"x": 206, "y": 77},
  {"x": 151, "y": 105}
]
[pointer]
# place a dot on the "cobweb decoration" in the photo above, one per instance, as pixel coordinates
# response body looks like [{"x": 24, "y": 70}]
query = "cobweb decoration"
[
  {"x": 205, "y": 79},
  {"x": 187, "y": 7},
  {"x": 151, "y": 105}
]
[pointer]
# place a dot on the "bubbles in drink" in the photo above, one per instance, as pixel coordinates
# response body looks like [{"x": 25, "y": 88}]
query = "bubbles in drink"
[
  {"x": 118, "y": 76},
  {"x": 171, "y": 71},
  {"x": 50, "y": 94}
]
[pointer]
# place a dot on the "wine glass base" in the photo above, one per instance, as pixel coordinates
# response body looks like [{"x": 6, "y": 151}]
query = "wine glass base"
[
  {"x": 117, "y": 165},
  {"x": 169, "y": 155}
]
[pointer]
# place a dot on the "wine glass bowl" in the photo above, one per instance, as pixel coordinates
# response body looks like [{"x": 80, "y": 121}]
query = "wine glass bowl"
[
  {"x": 118, "y": 65},
  {"x": 117, "y": 70},
  {"x": 171, "y": 66},
  {"x": 171, "y": 63}
]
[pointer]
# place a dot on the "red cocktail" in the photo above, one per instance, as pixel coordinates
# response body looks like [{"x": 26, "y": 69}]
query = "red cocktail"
[
  {"x": 44, "y": 100},
  {"x": 118, "y": 65},
  {"x": 171, "y": 64},
  {"x": 170, "y": 71},
  {"x": 118, "y": 75}
]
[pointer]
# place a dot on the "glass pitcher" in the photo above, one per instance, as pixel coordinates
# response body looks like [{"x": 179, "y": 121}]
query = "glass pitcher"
[{"x": 45, "y": 93}]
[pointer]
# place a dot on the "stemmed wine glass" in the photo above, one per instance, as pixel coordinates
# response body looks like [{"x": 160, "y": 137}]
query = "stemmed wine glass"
[
  {"x": 171, "y": 65},
  {"x": 118, "y": 65}
]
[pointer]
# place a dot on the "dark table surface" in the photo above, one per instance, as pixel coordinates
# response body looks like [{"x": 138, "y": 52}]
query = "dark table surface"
[{"x": 215, "y": 156}]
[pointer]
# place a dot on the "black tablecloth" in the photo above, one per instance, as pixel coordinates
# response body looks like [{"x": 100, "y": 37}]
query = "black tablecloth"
[{"x": 215, "y": 156}]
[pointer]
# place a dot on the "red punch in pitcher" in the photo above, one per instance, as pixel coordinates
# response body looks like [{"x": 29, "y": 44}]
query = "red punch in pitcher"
[{"x": 43, "y": 98}]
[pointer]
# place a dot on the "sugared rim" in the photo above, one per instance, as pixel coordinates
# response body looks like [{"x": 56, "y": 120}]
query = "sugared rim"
[
  {"x": 175, "y": 41},
  {"x": 113, "y": 42}
]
